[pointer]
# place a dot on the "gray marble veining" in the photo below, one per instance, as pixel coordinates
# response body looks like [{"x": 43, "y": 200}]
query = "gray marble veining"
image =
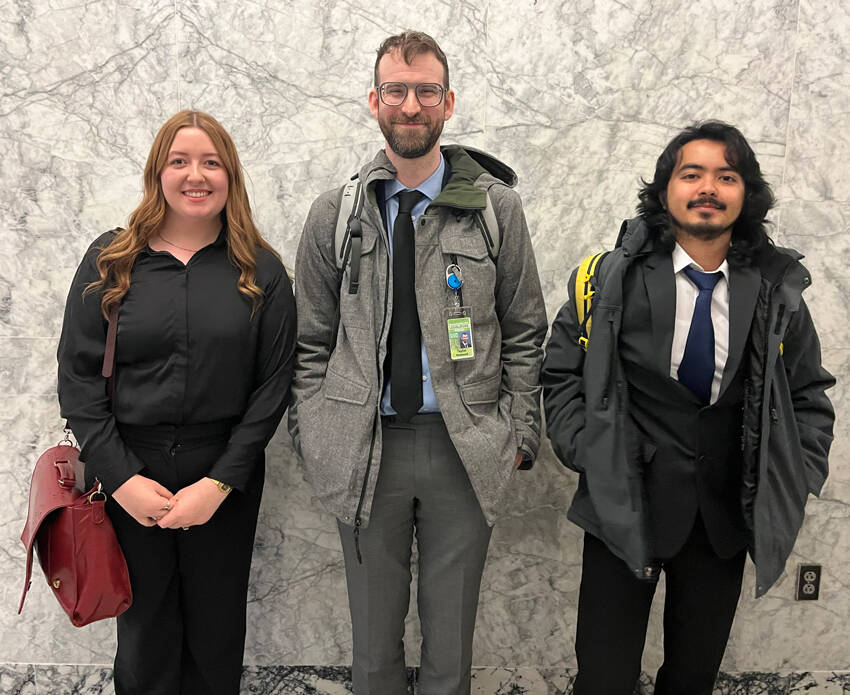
[{"x": 579, "y": 97}]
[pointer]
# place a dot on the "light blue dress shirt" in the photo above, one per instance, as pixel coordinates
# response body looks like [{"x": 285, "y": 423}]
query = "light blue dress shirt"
[{"x": 430, "y": 188}]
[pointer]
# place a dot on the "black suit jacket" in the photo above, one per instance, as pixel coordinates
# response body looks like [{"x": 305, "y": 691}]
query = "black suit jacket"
[{"x": 691, "y": 454}]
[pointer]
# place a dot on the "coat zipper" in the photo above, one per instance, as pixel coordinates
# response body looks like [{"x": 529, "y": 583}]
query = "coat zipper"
[
  {"x": 768, "y": 374},
  {"x": 358, "y": 522},
  {"x": 610, "y": 362}
]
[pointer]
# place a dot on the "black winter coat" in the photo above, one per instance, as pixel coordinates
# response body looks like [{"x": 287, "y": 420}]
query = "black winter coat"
[{"x": 787, "y": 417}]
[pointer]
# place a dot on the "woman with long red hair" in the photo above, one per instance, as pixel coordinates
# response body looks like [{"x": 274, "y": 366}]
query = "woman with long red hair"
[{"x": 206, "y": 331}]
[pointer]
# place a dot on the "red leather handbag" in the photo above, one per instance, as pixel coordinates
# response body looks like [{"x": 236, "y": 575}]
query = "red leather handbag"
[
  {"x": 75, "y": 541},
  {"x": 76, "y": 544}
]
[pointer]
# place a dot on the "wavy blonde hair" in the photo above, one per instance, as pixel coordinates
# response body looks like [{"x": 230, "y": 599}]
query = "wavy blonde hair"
[{"x": 115, "y": 262}]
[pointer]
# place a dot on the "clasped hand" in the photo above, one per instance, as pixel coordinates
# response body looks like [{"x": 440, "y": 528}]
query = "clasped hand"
[{"x": 150, "y": 503}]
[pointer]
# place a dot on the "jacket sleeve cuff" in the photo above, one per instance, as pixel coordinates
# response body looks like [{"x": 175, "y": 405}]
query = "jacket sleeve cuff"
[
  {"x": 526, "y": 440},
  {"x": 234, "y": 468},
  {"x": 527, "y": 460},
  {"x": 115, "y": 476}
]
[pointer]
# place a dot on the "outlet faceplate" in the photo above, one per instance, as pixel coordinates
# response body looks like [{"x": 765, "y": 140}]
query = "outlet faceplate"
[{"x": 808, "y": 582}]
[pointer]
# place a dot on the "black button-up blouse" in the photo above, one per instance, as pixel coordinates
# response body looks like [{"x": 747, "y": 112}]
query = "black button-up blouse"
[{"x": 188, "y": 352}]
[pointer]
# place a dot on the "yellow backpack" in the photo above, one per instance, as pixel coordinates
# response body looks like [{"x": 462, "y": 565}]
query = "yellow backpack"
[{"x": 585, "y": 289}]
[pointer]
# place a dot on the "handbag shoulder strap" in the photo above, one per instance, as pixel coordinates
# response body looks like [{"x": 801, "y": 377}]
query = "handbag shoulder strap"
[
  {"x": 111, "y": 334},
  {"x": 108, "y": 369}
]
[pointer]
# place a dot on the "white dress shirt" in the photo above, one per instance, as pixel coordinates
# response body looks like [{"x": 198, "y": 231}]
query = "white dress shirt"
[{"x": 686, "y": 297}]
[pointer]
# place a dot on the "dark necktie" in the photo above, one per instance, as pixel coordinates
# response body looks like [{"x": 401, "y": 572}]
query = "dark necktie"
[
  {"x": 405, "y": 345},
  {"x": 697, "y": 368}
]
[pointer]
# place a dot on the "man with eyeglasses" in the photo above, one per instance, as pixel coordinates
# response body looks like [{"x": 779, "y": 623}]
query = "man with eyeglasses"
[{"x": 403, "y": 432}]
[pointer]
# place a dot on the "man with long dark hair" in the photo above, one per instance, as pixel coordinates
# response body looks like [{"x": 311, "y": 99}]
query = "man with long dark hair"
[{"x": 694, "y": 411}]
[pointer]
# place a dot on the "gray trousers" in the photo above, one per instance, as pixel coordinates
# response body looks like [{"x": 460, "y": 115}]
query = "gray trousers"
[{"x": 422, "y": 488}]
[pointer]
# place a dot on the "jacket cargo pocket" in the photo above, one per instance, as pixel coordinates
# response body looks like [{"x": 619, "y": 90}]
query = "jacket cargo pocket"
[
  {"x": 485, "y": 392},
  {"x": 479, "y": 273},
  {"x": 340, "y": 388},
  {"x": 469, "y": 245}
]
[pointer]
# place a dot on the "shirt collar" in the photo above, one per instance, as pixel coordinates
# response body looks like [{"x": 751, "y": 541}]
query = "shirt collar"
[
  {"x": 430, "y": 187},
  {"x": 220, "y": 240},
  {"x": 682, "y": 260}
]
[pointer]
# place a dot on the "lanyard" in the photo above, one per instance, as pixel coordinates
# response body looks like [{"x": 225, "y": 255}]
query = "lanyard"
[{"x": 454, "y": 280}]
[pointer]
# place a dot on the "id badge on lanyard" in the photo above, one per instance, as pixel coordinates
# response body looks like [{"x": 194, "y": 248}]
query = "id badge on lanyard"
[{"x": 458, "y": 318}]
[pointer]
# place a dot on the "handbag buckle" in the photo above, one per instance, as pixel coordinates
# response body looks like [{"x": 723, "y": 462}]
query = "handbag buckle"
[
  {"x": 65, "y": 473},
  {"x": 66, "y": 440},
  {"x": 99, "y": 491}
]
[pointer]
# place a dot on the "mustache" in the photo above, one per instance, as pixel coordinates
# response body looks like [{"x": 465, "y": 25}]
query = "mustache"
[
  {"x": 410, "y": 121},
  {"x": 707, "y": 201}
]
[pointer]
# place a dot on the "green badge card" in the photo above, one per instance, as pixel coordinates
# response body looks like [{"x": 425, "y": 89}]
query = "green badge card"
[{"x": 459, "y": 324}]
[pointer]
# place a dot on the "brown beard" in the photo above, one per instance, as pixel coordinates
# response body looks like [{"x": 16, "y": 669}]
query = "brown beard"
[{"x": 414, "y": 144}]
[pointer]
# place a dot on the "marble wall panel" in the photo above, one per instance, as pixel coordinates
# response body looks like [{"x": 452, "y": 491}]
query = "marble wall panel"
[
  {"x": 530, "y": 583},
  {"x": 656, "y": 63},
  {"x": 591, "y": 106},
  {"x": 297, "y": 604},
  {"x": 579, "y": 97},
  {"x": 812, "y": 217},
  {"x": 79, "y": 84}
]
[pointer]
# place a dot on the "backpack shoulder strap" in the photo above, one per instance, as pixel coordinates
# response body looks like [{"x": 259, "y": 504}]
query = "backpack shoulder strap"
[
  {"x": 349, "y": 232},
  {"x": 348, "y": 235},
  {"x": 586, "y": 285}
]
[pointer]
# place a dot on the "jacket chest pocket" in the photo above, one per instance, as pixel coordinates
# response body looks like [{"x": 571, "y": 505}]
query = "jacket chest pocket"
[
  {"x": 356, "y": 310},
  {"x": 478, "y": 271}
]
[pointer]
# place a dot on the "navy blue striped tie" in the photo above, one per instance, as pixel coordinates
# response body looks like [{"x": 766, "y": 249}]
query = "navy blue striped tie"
[{"x": 697, "y": 368}]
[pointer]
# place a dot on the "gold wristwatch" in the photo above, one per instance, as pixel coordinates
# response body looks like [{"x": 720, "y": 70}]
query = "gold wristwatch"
[{"x": 224, "y": 487}]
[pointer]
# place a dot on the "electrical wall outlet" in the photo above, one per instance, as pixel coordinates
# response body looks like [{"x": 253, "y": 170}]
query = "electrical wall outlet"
[{"x": 808, "y": 582}]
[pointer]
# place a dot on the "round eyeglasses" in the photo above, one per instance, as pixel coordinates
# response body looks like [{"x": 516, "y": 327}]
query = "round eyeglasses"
[{"x": 427, "y": 93}]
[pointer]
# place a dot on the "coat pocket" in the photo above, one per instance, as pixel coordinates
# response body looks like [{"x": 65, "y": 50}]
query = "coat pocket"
[
  {"x": 335, "y": 427},
  {"x": 641, "y": 459},
  {"x": 340, "y": 388},
  {"x": 484, "y": 392},
  {"x": 469, "y": 245},
  {"x": 479, "y": 272}
]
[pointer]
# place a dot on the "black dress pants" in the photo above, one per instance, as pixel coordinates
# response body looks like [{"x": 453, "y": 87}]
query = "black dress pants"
[
  {"x": 185, "y": 631},
  {"x": 702, "y": 592}
]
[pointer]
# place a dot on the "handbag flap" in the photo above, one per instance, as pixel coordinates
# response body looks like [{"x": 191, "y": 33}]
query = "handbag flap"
[{"x": 51, "y": 488}]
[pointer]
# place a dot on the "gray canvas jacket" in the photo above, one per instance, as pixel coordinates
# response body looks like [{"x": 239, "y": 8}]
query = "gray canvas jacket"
[
  {"x": 787, "y": 423},
  {"x": 490, "y": 404}
]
